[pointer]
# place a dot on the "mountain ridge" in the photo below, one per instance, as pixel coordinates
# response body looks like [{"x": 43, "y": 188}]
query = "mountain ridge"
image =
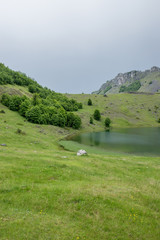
[{"x": 133, "y": 81}]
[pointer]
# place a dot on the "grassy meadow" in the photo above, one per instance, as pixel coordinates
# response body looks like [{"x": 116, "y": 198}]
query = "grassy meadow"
[
  {"x": 124, "y": 110},
  {"x": 49, "y": 193}
]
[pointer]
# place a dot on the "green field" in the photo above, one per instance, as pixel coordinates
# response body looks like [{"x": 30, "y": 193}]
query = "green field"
[
  {"x": 47, "y": 192},
  {"x": 124, "y": 110}
]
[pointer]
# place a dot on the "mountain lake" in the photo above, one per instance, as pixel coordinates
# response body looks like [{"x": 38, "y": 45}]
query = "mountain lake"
[{"x": 138, "y": 141}]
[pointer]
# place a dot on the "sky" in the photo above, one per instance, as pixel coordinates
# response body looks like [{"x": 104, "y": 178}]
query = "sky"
[{"x": 74, "y": 46}]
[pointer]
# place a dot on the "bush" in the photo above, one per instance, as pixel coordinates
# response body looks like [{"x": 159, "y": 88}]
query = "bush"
[
  {"x": 34, "y": 114},
  {"x": 23, "y": 108},
  {"x": 107, "y": 122},
  {"x": 5, "y": 99},
  {"x": 89, "y": 102},
  {"x": 15, "y": 102},
  {"x": 97, "y": 115},
  {"x": 80, "y": 106},
  {"x": 76, "y": 122},
  {"x": 36, "y": 99},
  {"x": 19, "y": 131},
  {"x": 91, "y": 120},
  {"x": 32, "y": 88},
  {"x": 133, "y": 87},
  {"x": 2, "y": 111},
  {"x": 73, "y": 121}
]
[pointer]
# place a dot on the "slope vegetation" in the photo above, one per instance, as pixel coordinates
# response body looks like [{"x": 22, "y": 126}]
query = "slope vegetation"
[
  {"x": 44, "y": 107},
  {"x": 124, "y": 110},
  {"x": 49, "y": 193}
]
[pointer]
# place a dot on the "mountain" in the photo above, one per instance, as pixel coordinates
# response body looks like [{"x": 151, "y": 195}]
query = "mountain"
[{"x": 147, "y": 81}]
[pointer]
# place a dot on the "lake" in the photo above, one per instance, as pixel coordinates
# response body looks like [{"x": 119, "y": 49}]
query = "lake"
[{"x": 141, "y": 141}]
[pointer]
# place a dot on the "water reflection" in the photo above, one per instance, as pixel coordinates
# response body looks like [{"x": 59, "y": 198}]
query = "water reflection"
[{"x": 133, "y": 140}]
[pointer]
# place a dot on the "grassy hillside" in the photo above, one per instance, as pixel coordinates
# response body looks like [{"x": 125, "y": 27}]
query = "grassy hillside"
[
  {"x": 49, "y": 193},
  {"x": 15, "y": 90},
  {"x": 125, "y": 110}
]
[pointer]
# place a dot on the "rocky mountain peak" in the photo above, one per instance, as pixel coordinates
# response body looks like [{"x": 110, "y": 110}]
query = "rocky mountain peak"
[
  {"x": 127, "y": 79},
  {"x": 155, "y": 69}
]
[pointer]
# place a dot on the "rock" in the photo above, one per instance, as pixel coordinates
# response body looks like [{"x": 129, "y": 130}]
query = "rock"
[
  {"x": 113, "y": 85},
  {"x": 81, "y": 152},
  {"x": 3, "y": 144}
]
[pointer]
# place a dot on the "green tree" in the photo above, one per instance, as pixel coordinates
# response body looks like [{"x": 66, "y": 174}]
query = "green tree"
[
  {"x": 91, "y": 120},
  {"x": 36, "y": 99},
  {"x": 107, "y": 122},
  {"x": 76, "y": 122},
  {"x": 34, "y": 114},
  {"x": 24, "y": 107},
  {"x": 5, "y": 99},
  {"x": 89, "y": 102},
  {"x": 97, "y": 115},
  {"x": 73, "y": 121},
  {"x": 15, "y": 102},
  {"x": 32, "y": 88}
]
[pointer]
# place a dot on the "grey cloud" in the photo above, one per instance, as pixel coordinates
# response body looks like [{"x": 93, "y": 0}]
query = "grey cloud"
[{"x": 74, "y": 46}]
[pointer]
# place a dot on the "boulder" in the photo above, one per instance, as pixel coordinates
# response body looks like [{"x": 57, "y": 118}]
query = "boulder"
[{"x": 81, "y": 152}]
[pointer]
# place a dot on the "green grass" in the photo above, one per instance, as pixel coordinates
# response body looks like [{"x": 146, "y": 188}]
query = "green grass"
[
  {"x": 124, "y": 110},
  {"x": 47, "y": 192},
  {"x": 14, "y": 90}
]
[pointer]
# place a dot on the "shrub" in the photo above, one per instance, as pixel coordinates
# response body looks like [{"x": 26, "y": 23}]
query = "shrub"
[
  {"x": 36, "y": 99},
  {"x": 23, "y": 108},
  {"x": 107, "y": 122},
  {"x": 19, "y": 131},
  {"x": 32, "y": 88},
  {"x": 5, "y": 99},
  {"x": 133, "y": 87},
  {"x": 15, "y": 102},
  {"x": 80, "y": 106},
  {"x": 97, "y": 115},
  {"x": 73, "y": 121},
  {"x": 34, "y": 114},
  {"x": 89, "y": 102},
  {"x": 91, "y": 120},
  {"x": 2, "y": 111}
]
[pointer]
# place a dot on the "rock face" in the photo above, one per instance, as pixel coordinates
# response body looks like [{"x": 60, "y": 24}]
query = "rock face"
[
  {"x": 81, "y": 152},
  {"x": 126, "y": 79}
]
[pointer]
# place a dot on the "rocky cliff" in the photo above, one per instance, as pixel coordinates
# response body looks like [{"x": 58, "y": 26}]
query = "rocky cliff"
[{"x": 134, "y": 81}]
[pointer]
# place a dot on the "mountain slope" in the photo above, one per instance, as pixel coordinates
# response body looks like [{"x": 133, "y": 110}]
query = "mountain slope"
[
  {"x": 44, "y": 106},
  {"x": 134, "y": 81}
]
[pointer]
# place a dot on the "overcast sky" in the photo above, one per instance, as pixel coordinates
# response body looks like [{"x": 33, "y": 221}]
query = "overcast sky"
[{"x": 74, "y": 46}]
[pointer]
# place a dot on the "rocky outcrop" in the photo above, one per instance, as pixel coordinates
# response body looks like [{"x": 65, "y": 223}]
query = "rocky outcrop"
[{"x": 125, "y": 79}]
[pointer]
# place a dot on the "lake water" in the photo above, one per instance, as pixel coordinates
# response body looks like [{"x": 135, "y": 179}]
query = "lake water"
[{"x": 143, "y": 141}]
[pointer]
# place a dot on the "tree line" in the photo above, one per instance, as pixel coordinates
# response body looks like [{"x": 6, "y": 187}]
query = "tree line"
[
  {"x": 45, "y": 107},
  {"x": 42, "y": 111}
]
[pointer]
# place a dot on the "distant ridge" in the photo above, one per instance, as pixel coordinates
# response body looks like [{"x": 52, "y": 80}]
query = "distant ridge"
[{"x": 147, "y": 81}]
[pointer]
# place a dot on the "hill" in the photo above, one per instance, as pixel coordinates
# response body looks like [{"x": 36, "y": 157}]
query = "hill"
[
  {"x": 44, "y": 106},
  {"x": 124, "y": 110},
  {"x": 135, "y": 81},
  {"x": 38, "y": 104},
  {"x": 47, "y": 192}
]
